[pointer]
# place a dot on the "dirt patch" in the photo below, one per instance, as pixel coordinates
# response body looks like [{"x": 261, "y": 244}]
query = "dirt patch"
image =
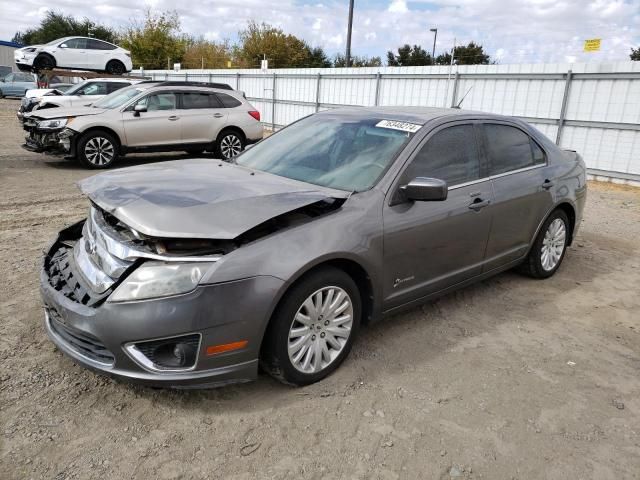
[{"x": 510, "y": 378}]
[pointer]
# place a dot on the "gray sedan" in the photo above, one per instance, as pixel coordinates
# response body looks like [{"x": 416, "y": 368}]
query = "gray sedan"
[{"x": 195, "y": 273}]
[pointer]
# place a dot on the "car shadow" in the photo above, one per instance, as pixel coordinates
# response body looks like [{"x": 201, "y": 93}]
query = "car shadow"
[{"x": 128, "y": 161}]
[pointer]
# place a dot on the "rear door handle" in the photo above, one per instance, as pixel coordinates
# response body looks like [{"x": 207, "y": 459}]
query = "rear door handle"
[
  {"x": 173, "y": 118},
  {"x": 547, "y": 184},
  {"x": 478, "y": 204},
  {"x": 218, "y": 115}
]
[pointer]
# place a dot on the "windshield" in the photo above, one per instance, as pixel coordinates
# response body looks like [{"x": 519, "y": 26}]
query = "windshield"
[
  {"x": 336, "y": 151},
  {"x": 118, "y": 98}
]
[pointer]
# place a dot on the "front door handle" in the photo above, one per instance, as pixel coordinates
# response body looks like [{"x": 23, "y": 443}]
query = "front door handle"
[
  {"x": 218, "y": 115},
  {"x": 173, "y": 118},
  {"x": 478, "y": 204},
  {"x": 547, "y": 184}
]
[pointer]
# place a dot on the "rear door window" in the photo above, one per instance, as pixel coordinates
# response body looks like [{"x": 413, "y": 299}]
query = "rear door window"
[
  {"x": 450, "y": 154},
  {"x": 509, "y": 148},
  {"x": 98, "y": 45},
  {"x": 113, "y": 86},
  {"x": 228, "y": 101}
]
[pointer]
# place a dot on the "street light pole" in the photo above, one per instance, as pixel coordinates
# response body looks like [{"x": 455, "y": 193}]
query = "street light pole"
[
  {"x": 348, "y": 55},
  {"x": 433, "y": 52}
]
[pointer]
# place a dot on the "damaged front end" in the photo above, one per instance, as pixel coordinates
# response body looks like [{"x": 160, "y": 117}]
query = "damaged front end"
[{"x": 49, "y": 136}]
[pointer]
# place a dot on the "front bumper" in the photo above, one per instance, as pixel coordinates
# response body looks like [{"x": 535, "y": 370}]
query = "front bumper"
[
  {"x": 95, "y": 336},
  {"x": 53, "y": 142}
]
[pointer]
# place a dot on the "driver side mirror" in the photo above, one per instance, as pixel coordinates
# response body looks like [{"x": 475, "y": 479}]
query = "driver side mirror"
[
  {"x": 138, "y": 109},
  {"x": 422, "y": 189}
]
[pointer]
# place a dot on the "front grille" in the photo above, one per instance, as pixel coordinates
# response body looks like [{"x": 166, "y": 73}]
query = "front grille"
[
  {"x": 62, "y": 277},
  {"x": 83, "y": 343}
]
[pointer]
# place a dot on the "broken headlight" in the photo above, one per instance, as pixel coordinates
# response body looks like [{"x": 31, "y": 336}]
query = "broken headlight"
[
  {"x": 54, "y": 124},
  {"x": 158, "y": 279}
]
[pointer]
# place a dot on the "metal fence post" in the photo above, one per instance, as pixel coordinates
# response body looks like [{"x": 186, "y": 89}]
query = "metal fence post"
[
  {"x": 454, "y": 94},
  {"x": 273, "y": 104},
  {"x": 186, "y": 77},
  {"x": 209, "y": 77},
  {"x": 563, "y": 110},
  {"x": 237, "y": 80},
  {"x": 377, "y": 97},
  {"x": 318, "y": 93}
]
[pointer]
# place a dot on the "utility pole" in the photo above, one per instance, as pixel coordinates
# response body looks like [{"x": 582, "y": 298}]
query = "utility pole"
[
  {"x": 433, "y": 52},
  {"x": 348, "y": 55}
]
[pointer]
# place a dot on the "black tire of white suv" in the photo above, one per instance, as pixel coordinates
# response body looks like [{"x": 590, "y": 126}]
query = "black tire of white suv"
[{"x": 98, "y": 149}]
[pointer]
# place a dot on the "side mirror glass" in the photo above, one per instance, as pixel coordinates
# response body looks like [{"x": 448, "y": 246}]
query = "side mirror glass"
[
  {"x": 422, "y": 189},
  {"x": 138, "y": 109}
]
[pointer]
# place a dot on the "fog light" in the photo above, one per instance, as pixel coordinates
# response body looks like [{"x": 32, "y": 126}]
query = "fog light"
[{"x": 170, "y": 354}]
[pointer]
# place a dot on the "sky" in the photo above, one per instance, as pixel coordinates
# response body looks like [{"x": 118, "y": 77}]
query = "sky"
[{"x": 511, "y": 31}]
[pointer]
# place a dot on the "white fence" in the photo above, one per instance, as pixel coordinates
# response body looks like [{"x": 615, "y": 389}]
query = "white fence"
[{"x": 591, "y": 108}]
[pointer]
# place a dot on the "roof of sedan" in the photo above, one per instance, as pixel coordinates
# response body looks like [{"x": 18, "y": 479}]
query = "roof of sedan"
[{"x": 419, "y": 115}]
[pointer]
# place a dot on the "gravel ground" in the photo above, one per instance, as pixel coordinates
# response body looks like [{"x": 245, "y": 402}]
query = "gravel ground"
[{"x": 510, "y": 378}]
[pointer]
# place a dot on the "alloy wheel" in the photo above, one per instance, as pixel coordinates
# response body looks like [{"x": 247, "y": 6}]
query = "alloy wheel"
[
  {"x": 230, "y": 146},
  {"x": 99, "y": 151},
  {"x": 320, "y": 329},
  {"x": 553, "y": 244}
]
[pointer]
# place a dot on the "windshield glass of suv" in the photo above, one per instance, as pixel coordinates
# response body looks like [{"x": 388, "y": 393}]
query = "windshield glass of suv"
[
  {"x": 336, "y": 151},
  {"x": 117, "y": 98}
]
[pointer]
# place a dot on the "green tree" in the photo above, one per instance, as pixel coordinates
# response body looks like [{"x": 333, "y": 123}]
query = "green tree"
[
  {"x": 201, "y": 53},
  {"x": 408, "y": 56},
  {"x": 56, "y": 25},
  {"x": 317, "y": 58},
  {"x": 155, "y": 42},
  {"x": 356, "y": 61},
  {"x": 471, "y": 54},
  {"x": 635, "y": 54},
  {"x": 281, "y": 49}
]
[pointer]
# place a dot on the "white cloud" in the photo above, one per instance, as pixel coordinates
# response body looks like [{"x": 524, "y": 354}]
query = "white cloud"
[{"x": 398, "y": 6}]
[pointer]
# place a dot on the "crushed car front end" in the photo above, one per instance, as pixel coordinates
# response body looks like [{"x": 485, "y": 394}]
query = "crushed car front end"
[
  {"x": 52, "y": 136},
  {"x": 133, "y": 307}
]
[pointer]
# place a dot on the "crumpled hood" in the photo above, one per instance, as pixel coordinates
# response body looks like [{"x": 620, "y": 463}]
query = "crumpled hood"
[
  {"x": 49, "y": 113},
  {"x": 201, "y": 198}
]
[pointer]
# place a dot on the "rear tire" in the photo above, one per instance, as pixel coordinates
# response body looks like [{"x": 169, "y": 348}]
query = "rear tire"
[
  {"x": 98, "y": 150},
  {"x": 115, "y": 67},
  {"x": 230, "y": 143},
  {"x": 549, "y": 247},
  {"x": 299, "y": 330}
]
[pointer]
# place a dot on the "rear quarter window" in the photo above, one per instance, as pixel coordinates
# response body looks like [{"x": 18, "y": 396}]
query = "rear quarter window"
[{"x": 228, "y": 101}]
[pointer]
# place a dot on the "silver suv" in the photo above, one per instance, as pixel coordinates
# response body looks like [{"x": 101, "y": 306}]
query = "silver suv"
[{"x": 147, "y": 117}]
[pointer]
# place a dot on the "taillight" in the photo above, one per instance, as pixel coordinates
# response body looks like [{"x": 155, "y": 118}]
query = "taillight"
[{"x": 255, "y": 114}]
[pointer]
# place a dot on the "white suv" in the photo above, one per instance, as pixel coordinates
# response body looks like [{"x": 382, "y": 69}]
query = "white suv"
[
  {"x": 82, "y": 94},
  {"x": 80, "y": 53},
  {"x": 147, "y": 117}
]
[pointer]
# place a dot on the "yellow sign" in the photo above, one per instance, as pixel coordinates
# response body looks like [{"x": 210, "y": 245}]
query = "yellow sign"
[
  {"x": 592, "y": 45},
  {"x": 228, "y": 63}
]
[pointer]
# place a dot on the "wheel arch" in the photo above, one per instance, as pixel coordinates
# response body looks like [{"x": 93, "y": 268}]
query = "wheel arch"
[
  {"x": 101, "y": 129},
  {"x": 569, "y": 209},
  {"x": 232, "y": 128},
  {"x": 351, "y": 267}
]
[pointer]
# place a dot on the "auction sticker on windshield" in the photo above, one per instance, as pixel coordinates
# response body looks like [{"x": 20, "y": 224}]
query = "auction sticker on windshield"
[{"x": 397, "y": 125}]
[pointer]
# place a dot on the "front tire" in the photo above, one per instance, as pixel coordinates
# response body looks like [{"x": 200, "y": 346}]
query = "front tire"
[
  {"x": 313, "y": 329},
  {"x": 44, "y": 62},
  {"x": 98, "y": 150},
  {"x": 549, "y": 247},
  {"x": 229, "y": 144}
]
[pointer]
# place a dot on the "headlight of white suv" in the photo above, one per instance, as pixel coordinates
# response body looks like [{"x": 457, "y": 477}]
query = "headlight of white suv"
[
  {"x": 53, "y": 124},
  {"x": 158, "y": 279}
]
